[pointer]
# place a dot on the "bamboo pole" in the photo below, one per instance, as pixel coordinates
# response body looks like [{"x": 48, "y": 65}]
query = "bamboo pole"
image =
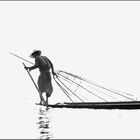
[
  {"x": 35, "y": 84},
  {"x": 21, "y": 58}
]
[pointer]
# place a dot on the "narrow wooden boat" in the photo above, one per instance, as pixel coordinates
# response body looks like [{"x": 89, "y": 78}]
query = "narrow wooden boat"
[{"x": 99, "y": 105}]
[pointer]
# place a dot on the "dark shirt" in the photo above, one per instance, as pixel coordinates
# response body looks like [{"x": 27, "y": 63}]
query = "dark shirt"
[{"x": 43, "y": 63}]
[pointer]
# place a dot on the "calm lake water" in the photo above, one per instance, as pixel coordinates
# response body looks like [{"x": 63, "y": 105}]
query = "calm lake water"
[{"x": 26, "y": 120}]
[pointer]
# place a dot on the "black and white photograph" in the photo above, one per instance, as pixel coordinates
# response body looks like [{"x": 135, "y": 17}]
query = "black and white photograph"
[{"x": 70, "y": 69}]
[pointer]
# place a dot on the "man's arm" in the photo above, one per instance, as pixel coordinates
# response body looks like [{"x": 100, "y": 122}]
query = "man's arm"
[
  {"x": 51, "y": 67},
  {"x": 31, "y": 68}
]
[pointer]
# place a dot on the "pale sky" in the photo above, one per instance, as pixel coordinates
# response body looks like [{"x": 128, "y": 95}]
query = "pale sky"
[{"x": 95, "y": 40}]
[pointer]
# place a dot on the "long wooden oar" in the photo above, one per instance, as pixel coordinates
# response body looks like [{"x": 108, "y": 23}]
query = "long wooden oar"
[
  {"x": 21, "y": 58},
  {"x": 35, "y": 85}
]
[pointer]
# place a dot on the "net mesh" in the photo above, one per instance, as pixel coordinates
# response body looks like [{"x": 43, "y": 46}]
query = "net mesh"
[{"x": 79, "y": 89}]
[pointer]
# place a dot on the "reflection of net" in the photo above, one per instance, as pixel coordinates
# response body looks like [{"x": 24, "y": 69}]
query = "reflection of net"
[{"x": 79, "y": 89}]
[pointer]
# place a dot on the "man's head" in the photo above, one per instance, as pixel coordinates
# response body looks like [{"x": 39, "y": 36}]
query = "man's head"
[{"x": 35, "y": 53}]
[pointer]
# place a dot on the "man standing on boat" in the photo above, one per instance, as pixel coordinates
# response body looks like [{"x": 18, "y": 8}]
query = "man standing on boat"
[{"x": 44, "y": 80}]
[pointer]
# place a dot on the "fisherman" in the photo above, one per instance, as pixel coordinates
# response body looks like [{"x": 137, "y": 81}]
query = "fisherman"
[{"x": 44, "y": 80}]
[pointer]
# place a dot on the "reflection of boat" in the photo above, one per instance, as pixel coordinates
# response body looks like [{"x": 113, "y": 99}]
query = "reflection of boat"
[
  {"x": 44, "y": 124},
  {"x": 100, "y": 105}
]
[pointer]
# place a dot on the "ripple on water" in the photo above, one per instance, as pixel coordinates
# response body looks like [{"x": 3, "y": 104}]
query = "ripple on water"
[{"x": 44, "y": 123}]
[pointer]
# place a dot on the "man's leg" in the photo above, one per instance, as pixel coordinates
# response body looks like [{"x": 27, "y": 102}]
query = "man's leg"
[
  {"x": 41, "y": 99},
  {"x": 47, "y": 99}
]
